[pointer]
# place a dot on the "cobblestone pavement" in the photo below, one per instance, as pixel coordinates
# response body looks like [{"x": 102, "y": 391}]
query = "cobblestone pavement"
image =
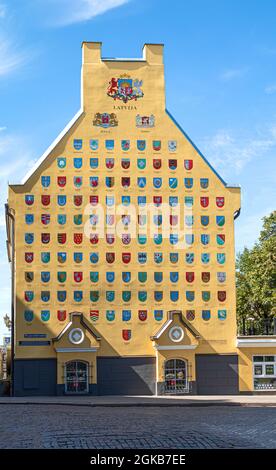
[{"x": 62, "y": 427}]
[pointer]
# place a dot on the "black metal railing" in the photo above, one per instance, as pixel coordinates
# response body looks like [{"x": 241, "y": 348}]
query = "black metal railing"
[{"x": 254, "y": 327}]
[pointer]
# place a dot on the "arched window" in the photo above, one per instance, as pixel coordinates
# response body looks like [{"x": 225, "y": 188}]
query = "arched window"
[
  {"x": 176, "y": 376},
  {"x": 76, "y": 377}
]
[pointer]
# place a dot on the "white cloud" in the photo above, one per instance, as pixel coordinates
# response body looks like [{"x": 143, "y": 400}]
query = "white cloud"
[
  {"x": 270, "y": 89},
  {"x": 228, "y": 152},
  {"x": 67, "y": 12},
  {"x": 11, "y": 58},
  {"x": 231, "y": 74}
]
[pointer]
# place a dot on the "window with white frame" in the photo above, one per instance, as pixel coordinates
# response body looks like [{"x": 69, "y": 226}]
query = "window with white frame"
[{"x": 264, "y": 372}]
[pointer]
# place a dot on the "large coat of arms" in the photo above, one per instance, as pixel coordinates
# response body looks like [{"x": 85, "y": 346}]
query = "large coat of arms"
[
  {"x": 105, "y": 120},
  {"x": 145, "y": 121},
  {"x": 125, "y": 88}
]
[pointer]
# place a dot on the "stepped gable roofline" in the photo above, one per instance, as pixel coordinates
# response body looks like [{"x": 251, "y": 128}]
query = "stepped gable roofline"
[
  {"x": 169, "y": 321},
  {"x": 82, "y": 322}
]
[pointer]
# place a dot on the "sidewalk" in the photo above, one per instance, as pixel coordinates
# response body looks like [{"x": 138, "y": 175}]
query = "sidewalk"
[{"x": 146, "y": 401}]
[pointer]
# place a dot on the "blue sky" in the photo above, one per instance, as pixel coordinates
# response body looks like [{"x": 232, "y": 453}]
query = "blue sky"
[{"x": 220, "y": 58}]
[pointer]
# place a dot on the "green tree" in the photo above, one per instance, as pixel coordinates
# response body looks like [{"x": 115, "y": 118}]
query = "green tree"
[{"x": 256, "y": 277}]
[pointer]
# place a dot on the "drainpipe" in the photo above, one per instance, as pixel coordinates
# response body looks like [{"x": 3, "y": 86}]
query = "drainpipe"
[{"x": 10, "y": 238}]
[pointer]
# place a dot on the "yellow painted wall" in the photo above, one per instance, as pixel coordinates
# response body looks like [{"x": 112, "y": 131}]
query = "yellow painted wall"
[
  {"x": 246, "y": 365},
  {"x": 217, "y": 335}
]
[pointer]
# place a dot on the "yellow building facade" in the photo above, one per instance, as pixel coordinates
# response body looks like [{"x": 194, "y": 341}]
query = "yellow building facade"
[{"x": 121, "y": 242}]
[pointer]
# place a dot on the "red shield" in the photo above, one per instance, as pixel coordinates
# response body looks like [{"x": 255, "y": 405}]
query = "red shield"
[
  {"x": 45, "y": 238},
  {"x": 94, "y": 238},
  {"x": 45, "y": 199},
  {"x": 110, "y": 238},
  {"x": 110, "y": 257},
  {"x": 126, "y": 335},
  {"x": 29, "y": 257},
  {"x": 173, "y": 219},
  {"x": 126, "y": 257},
  {"x": 78, "y": 238},
  {"x": 221, "y": 295},
  {"x": 45, "y": 219},
  {"x": 125, "y": 182},
  {"x": 109, "y": 163},
  {"x": 61, "y": 314},
  {"x": 142, "y": 315},
  {"x": 190, "y": 276},
  {"x": 204, "y": 201},
  {"x": 125, "y": 164},
  {"x": 94, "y": 200},
  {"x": 205, "y": 277},
  {"x": 157, "y": 200},
  {"x": 78, "y": 200},
  {"x": 78, "y": 276},
  {"x": 157, "y": 163},
  {"x": 188, "y": 164},
  {"x": 62, "y": 238},
  {"x": 220, "y": 201},
  {"x": 61, "y": 181}
]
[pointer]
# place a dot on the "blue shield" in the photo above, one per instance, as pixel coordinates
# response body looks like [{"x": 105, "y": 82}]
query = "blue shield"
[
  {"x": 220, "y": 220},
  {"x": 206, "y": 314},
  {"x": 126, "y": 296},
  {"x": 190, "y": 257},
  {"x": 45, "y": 315},
  {"x": 205, "y": 239},
  {"x": 29, "y": 295},
  {"x": 45, "y": 296},
  {"x": 158, "y": 295},
  {"x": 78, "y": 257},
  {"x": 189, "y": 238},
  {"x": 173, "y": 201},
  {"x": 142, "y": 277},
  {"x": 188, "y": 183},
  {"x": 29, "y": 238},
  {"x": 78, "y": 295},
  {"x": 61, "y": 219},
  {"x": 189, "y": 201},
  {"x": 157, "y": 237},
  {"x": 158, "y": 277},
  {"x": 94, "y": 258},
  {"x": 110, "y": 315},
  {"x": 126, "y": 315},
  {"x": 78, "y": 219},
  {"x": 110, "y": 276},
  {"x": 141, "y": 145},
  {"x": 126, "y": 276},
  {"x": 45, "y": 257},
  {"x": 61, "y": 295},
  {"x": 221, "y": 258},
  {"x": 204, "y": 220},
  {"x": 190, "y": 295},
  {"x": 110, "y": 295},
  {"x": 109, "y": 144},
  {"x": 173, "y": 238},
  {"x": 125, "y": 145},
  {"x": 28, "y": 315},
  {"x": 204, "y": 183},
  {"x": 77, "y": 162},
  {"x": 45, "y": 181},
  {"x": 158, "y": 315},
  {"x": 29, "y": 199},
  {"x": 141, "y": 163},
  {"x": 94, "y": 276},
  {"x": 45, "y": 276},
  {"x": 29, "y": 219},
  {"x": 205, "y": 258},
  {"x": 157, "y": 182},
  {"x": 174, "y": 295},
  {"x": 61, "y": 199},
  {"x": 174, "y": 277},
  {"x": 61, "y": 162},
  {"x": 142, "y": 239},
  {"x": 142, "y": 200},
  {"x": 142, "y": 296},
  {"x": 77, "y": 144},
  {"x": 94, "y": 144},
  {"x": 94, "y": 163},
  {"x": 173, "y": 258},
  {"x": 206, "y": 295},
  {"x": 109, "y": 200},
  {"x": 189, "y": 220},
  {"x": 158, "y": 258},
  {"x": 125, "y": 200},
  {"x": 141, "y": 181},
  {"x": 173, "y": 183},
  {"x": 142, "y": 257}
]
